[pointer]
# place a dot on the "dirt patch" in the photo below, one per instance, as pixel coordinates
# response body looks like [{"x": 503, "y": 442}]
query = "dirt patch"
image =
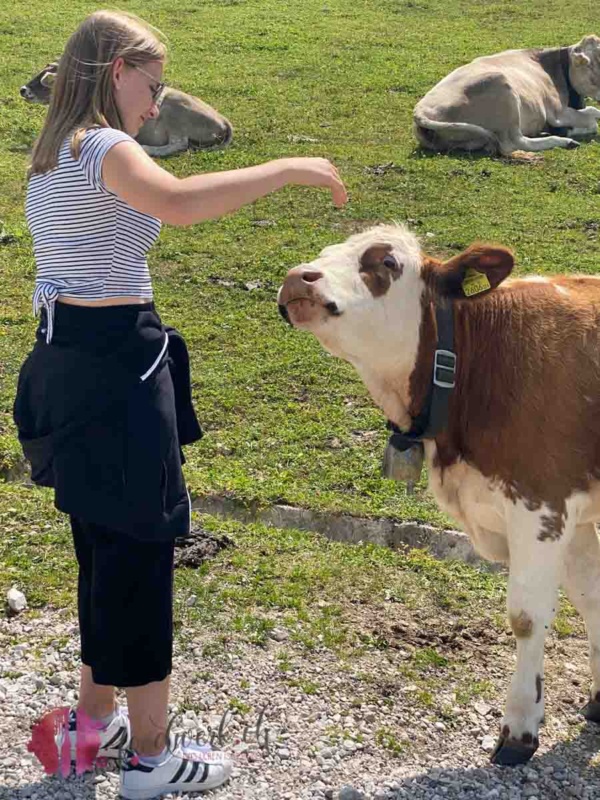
[
  {"x": 452, "y": 638},
  {"x": 524, "y": 157},
  {"x": 383, "y": 169},
  {"x": 193, "y": 550}
]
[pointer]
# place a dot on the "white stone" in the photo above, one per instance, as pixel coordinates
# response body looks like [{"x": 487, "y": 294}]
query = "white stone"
[{"x": 16, "y": 600}]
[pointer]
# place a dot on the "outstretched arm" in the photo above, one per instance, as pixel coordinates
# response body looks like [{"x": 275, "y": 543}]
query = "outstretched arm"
[{"x": 135, "y": 178}]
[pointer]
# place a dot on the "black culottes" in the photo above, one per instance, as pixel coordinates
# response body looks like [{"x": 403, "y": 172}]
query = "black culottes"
[{"x": 125, "y": 605}]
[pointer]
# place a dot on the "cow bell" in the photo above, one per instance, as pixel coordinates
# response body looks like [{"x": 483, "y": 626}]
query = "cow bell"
[{"x": 403, "y": 465}]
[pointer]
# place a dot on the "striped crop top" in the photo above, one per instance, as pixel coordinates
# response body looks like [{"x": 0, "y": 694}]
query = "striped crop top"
[{"x": 88, "y": 243}]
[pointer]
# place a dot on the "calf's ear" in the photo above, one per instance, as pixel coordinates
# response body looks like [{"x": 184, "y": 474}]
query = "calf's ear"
[
  {"x": 480, "y": 268},
  {"x": 48, "y": 79},
  {"x": 580, "y": 58}
]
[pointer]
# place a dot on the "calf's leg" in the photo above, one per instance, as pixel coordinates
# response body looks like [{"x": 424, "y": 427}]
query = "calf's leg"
[
  {"x": 534, "y": 144},
  {"x": 581, "y": 582},
  {"x": 512, "y": 138},
  {"x": 538, "y": 542},
  {"x": 580, "y": 122}
]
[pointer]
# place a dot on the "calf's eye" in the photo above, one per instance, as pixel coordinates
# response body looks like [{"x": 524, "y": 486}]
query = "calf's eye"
[{"x": 390, "y": 262}]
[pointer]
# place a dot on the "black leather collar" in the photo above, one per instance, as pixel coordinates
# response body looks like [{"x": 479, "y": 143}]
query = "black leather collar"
[
  {"x": 576, "y": 100},
  {"x": 433, "y": 418}
]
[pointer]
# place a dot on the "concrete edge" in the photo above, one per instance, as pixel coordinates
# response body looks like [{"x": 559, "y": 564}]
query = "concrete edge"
[{"x": 441, "y": 543}]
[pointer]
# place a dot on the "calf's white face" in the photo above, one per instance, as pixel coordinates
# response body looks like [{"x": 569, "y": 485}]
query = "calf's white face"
[
  {"x": 361, "y": 299},
  {"x": 365, "y": 301},
  {"x": 585, "y": 67}
]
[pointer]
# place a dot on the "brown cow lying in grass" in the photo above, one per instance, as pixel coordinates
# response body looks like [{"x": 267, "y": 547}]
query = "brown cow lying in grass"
[
  {"x": 517, "y": 460},
  {"x": 183, "y": 122},
  {"x": 505, "y": 102}
]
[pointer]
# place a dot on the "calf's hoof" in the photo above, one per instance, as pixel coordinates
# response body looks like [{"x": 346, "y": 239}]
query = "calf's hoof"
[
  {"x": 591, "y": 710},
  {"x": 511, "y": 752},
  {"x": 572, "y": 144}
]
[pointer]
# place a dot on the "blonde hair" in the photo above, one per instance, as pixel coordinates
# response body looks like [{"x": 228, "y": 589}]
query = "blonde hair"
[{"x": 82, "y": 95}]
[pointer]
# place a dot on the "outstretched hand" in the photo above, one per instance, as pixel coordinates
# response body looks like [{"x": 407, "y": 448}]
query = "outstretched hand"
[{"x": 318, "y": 172}]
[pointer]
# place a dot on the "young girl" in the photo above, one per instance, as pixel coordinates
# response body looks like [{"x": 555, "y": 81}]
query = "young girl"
[{"x": 103, "y": 402}]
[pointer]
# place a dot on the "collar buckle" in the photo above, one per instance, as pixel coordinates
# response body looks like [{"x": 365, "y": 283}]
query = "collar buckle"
[{"x": 444, "y": 369}]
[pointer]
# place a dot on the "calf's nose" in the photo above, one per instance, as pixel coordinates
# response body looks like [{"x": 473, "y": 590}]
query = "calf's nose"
[
  {"x": 311, "y": 275},
  {"x": 225, "y": 134},
  {"x": 304, "y": 274},
  {"x": 298, "y": 284}
]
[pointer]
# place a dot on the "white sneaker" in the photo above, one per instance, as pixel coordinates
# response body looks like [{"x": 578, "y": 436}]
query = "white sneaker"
[
  {"x": 113, "y": 740},
  {"x": 184, "y": 770}
]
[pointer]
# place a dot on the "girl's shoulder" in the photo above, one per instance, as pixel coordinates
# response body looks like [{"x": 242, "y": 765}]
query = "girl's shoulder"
[
  {"x": 94, "y": 143},
  {"x": 98, "y": 133}
]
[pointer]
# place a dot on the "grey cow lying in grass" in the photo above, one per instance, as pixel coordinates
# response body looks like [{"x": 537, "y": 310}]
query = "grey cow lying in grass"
[
  {"x": 505, "y": 102},
  {"x": 515, "y": 456},
  {"x": 184, "y": 122}
]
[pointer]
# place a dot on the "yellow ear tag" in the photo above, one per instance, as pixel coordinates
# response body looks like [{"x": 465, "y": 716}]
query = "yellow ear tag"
[{"x": 475, "y": 282}]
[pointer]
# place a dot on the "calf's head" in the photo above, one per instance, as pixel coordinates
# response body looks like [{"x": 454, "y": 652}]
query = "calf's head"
[
  {"x": 584, "y": 68},
  {"x": 365, "y": 299},
  {"x": 40, "y": 86},
  {"x": 209, "y": 128}
]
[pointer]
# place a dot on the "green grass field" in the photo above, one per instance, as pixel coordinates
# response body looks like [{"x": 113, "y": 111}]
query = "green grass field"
[
  {"x": 328, "y": 596},
  {"x": 284, "y": 421}
]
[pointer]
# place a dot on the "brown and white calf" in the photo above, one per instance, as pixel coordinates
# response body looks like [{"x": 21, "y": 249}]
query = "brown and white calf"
[{"x": 518, "y": 463}]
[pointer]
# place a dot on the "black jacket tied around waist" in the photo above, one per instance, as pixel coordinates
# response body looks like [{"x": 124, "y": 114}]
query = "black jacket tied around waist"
[{"x": 102, "y": 413}]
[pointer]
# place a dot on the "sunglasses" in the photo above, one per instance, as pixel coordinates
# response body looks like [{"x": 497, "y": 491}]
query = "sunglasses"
[{"x": 155, "y": 91}]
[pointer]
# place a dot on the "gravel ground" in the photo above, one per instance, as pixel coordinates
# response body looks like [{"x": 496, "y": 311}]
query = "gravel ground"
[{"x": 342, "y": 730}]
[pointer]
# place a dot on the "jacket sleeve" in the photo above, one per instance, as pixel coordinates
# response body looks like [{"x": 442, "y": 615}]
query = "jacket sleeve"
[{"x": 188, "y": 427}]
